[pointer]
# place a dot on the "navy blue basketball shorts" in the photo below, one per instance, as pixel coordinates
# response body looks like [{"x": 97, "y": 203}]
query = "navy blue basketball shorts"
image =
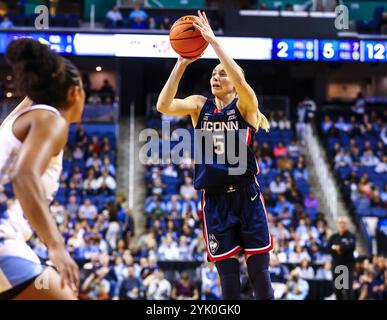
[{"x": 235, "y": 220}]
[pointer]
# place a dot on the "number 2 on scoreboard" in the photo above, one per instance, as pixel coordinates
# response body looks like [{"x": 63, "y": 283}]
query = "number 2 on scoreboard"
[{"x": 282, "y": 49}]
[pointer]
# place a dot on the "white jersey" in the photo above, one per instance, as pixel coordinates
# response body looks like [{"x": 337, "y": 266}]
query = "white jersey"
[{"x": 13, "y": 225}]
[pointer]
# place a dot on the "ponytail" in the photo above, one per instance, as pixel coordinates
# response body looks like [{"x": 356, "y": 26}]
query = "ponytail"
[{"x": 262, "y": 122}]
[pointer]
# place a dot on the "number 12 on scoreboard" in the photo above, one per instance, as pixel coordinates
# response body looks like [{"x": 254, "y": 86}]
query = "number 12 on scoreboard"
[{"x": 375, "y": 51}]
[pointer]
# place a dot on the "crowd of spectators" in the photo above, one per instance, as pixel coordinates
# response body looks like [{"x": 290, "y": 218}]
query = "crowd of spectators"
[
  {"x": 139, "y": 18},
  {"x": 358, "y": 146}
]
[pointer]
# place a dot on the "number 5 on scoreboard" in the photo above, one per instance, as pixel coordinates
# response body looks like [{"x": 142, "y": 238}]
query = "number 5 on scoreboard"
[
  {"x": 218, "y": 144},
  {"x": 328, "y": 51}
]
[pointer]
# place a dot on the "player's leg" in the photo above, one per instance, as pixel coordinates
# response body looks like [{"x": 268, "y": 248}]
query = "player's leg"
[
  {"x": 46, "y": 286},
  {"x": 229, "y": 274},
  {"x": 259, "y": 275},
  {"x": 256, "y": 242},
  {"x": 222, "y": 243}
]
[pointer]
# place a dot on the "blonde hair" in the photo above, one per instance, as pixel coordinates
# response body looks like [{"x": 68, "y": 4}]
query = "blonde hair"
[{"x": 262, "y": 122}]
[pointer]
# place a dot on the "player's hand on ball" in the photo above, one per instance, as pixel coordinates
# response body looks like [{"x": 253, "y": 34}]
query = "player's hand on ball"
[
  {"x": 187, "y": 61},
  {"x": 202, "y": 24}
]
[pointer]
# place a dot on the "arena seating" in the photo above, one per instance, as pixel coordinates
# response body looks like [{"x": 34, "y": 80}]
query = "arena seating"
[{"x": 357, "y": 153}]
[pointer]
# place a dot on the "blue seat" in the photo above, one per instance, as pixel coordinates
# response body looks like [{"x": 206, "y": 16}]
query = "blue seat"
[{"x": 379, "y": 212}]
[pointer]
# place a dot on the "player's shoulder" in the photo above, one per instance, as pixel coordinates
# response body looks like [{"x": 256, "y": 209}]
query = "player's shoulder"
[
  {"x": 48, "y": 117},
  {"x": 198, "y": 100}
]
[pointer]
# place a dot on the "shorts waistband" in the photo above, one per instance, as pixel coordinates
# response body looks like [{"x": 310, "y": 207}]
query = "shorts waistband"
[{"x": 248, "y": 180}]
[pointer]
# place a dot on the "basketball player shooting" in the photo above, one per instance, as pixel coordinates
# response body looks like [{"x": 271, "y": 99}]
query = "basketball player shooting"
[{"x": 234, "y": 213}]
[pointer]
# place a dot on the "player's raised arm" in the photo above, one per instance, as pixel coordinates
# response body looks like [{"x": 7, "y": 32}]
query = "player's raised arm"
[
  {"x": 247, "y": 99},
  {"x": 168, "y": 104}
]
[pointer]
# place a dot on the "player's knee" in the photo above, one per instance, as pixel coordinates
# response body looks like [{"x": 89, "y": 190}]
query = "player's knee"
[
  {"x": 258, "y": 270},
  {"x": 258, "y": 262}
]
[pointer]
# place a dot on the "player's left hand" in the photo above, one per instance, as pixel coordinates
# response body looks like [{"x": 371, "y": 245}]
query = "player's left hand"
[{"x": 202, "y": 24}]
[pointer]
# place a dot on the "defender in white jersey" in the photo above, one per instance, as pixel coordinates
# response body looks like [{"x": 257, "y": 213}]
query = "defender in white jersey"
[{"x": 32, "y": 140}]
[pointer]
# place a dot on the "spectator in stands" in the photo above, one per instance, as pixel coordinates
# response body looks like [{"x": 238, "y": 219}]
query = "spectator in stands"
[
  {"x": 311, "y": 202},
  {"x": 306, "y": 271},
  {"x": 90, "y": 184},
  {"x": 300, "y": 172},
  {"x": 131, "y": 288},
  {"x": 208, "y": 278},
  {"x": 88, "y": 211},
  {"x": 152, "y": 25},
  {"x": 166, "y": 24},
  {"x": 168, "y": 250},
  {"x": 6, "y": 23},
  {"x": 278, "y": 186},
  {"x": 187, "y": 190},
  {"x": 327, "y": 124},
  {"x": 184, "y": 253},
  {"x": 283, "y": 121},
  {"x": 365, "y": 187},
  {"x": 114, "y": 18},
  {"x": 305, "y": 111},
  {"x": 359, "y": 106},
  {"x": 106, "y": 91},
  {"x": 342, "y": 246},
  {"x": 96, "y": 287},
  {"x": 299, "y": 254},
  {"x": 262, "y": 5},
  {"x": 184, "y": 289},
  {"x": 288, "y": 7},
  {"x": 58, "y": 211},
  {"x": 77, "y": 177},
  {"x": 78, "y": 153},
  {"x": 294, "y": 149},
  {"x": 94, "y": 99},
  {"x": 278, "y": 275},
  {"x": 296, "y": 287},
  {"x": 95, "y": 146},
  {"x": 374, "y": 25},
  {"x": 369, "y": 159},
  {"x": 158, "y": 187},
  {"x": 157, "y": 211},
  {"x": 174, "y": 204},
  {"x": 80, "y": 136},
  {"x": 108, "y": 166},
  {"x": 159, "y": 288},
  {"x": 94, "y": 162},
  {"x": 342, "y": 159},
  {"x": 106, "y": 184},
  {"x": 325, "y": 272},
  {"x": 280, "y": 150},
  {"x": 285, "y": 163},
  {"x": 213, "y": 290},
  {"x": 138, "y": 18}
]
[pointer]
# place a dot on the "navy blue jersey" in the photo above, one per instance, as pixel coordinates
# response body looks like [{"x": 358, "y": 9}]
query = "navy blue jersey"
[{"x": 228, "y": 130}]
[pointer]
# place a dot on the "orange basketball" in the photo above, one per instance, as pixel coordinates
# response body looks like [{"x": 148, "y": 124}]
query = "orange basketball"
[{"x": 185, "y": 39}]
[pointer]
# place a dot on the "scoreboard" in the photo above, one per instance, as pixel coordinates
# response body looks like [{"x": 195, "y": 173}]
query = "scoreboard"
[
  {"x": 294, "y": 49},
  {"x": 243, "y": 48},
  {"x": 335, "y": 50},
  {"x": 330, "y": 50}
]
